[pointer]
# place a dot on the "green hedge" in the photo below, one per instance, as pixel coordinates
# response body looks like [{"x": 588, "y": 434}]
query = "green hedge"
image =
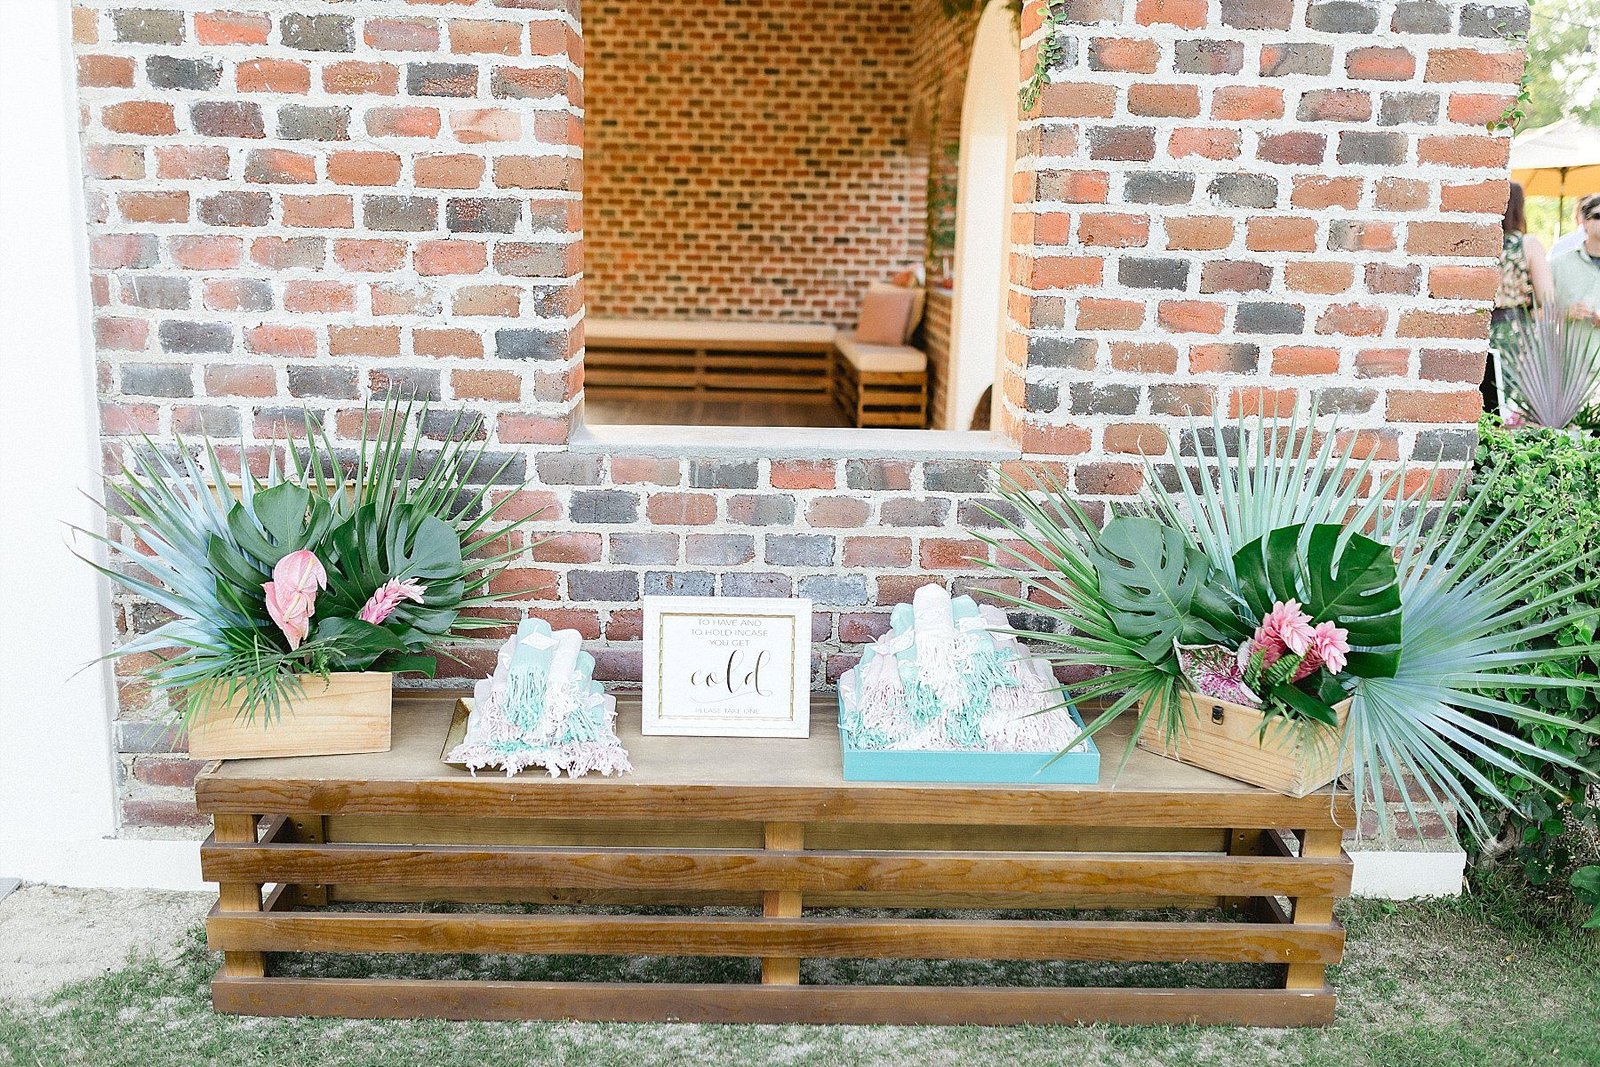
[{"x": 1553, "y": 476}]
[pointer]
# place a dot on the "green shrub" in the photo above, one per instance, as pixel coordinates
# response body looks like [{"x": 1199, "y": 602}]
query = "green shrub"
[{"x": 1551, "y": 475}]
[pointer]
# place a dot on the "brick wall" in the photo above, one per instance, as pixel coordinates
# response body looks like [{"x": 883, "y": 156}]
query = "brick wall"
[
  {"x": 727, "y": 181},
  {"x": 1259, "y": 202},
  {"x": 316, "y": 207}
]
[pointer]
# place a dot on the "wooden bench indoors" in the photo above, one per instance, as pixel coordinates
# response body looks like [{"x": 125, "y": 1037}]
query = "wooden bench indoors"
[
  {"x": 754, "y": 360},
  {"x": 768, "y": 825},
  {"x": 880, "y": 385}
]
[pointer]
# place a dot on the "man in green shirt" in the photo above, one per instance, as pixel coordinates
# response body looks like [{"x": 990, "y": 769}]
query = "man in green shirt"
[{"x": 1577, "y": 273}]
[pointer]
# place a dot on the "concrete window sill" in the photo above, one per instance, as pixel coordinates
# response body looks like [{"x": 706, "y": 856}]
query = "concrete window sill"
[{"x": 791, "y": 442}]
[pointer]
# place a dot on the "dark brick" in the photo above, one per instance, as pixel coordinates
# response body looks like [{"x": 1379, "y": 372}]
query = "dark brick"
[
  {"x": 1133, "y": 143},
  {"x": 1072, "y": 353},
  {"x": 477, "y": 215},
  {"x": 842, "y": 590},
  {"x": 1445, "y": 446},
  {"x": 1244, "y": 190},
  {"x": 763, "y": 584},
  {"x": 761, "y": 509},
  {"x": 955, "y": 476},
  {"x": 194, "y": 338},
  {"x": 1282, "y": 60},
  {"x": 568, "y": 468},
  {"x": 603, "y": 585},
  {"x": 172, "y": 72},
  {"x": 975, "y": 514},
  {"x": 530, "y": 344},
  {"x": 1377, "y": 149},
  {"x": 215, "y": 423},
  {"x": 1505, "y": 21},
  {"x": 318, "y": 33},
  {"x": 410, "y": 214},
  {"x": 1420, "y": 16},
  {"x": 1257, "y": 14},
  {"x": 297, "y": 122},
  {"x": 1342, "y": 16},
  {"x": 236, "y": 208},
  {"x": 442, "y": 79},
  {"x": 149, "y": 737},
  {"x": 914, "y": 511},
  {"x": 142, "y": 26},
  {"x": 1091, "y": 399},
  {"x": 1041, "y": 396},
  {"x": 607, "y": 506},
  {"x": 528, "y": 83},
  {"x": 1159, "y": 187},
  {"x": 679, "y": 583},
  {"x": 406, "y": 383},
  {"x": 720, "y": 550},
  {"x": 1138, "y": 272},
  {"x": 457, "y": 425},
  {"x": 1343, "y": 400},
  {"x": 336, "y": 382},
  {"x": 227, "y": 118},
  {"x": 1234, "y": 276},
  {"x": 724, "y": 474},
  {"x": 799, "y": 550},
  {"x": 1269, "y": 318},
  {"x": 1210, "y": 57},
  {"x": 654, "y": 547},
  {"x": 160, "y": 294},
  {"x": 877, "y": 474},
  {"x": 157, "y": 379},
  {"x": 1397, "y": 109}
]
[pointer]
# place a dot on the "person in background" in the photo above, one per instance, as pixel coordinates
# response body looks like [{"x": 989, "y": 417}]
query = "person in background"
[
  {"x": 1525, "y": 283},
  {"x": 1577, "y": 273},
  {"x": 1572, "y": 238}
]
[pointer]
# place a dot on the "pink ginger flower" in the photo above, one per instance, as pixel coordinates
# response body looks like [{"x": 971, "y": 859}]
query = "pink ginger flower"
[
  {"x": 387, "y": 598},
  {"x": 1330, "y": 647},
  {"x": 292, "y": 593},
  {"x": 1286, "y": 628}
]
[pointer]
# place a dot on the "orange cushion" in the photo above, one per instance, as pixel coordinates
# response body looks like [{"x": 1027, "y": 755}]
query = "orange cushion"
[{"x": 886, "y": 314}]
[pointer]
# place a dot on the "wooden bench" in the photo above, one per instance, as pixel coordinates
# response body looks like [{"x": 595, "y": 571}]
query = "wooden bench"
[
  {"x": 770, "y": 827},
  {"x": 880, "y": 385},
  {"x": 754, "y": 360}
]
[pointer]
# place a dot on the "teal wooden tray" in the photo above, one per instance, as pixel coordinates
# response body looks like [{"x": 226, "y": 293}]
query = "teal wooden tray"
[{"x": 954, "y": 765}]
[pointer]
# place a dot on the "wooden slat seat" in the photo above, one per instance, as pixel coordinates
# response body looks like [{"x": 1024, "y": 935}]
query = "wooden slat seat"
[
  {"x": 880, "y": 385},
  {"x": 750, "y": 360}
]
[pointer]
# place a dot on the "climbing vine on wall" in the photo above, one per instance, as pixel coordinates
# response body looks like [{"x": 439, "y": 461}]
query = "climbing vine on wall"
[{"x": 1049, "y": 50}]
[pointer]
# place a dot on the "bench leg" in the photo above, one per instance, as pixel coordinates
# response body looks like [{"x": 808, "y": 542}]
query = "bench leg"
[
  {"x": 1314, "y": 911},
  {"x": 239, "y": 896},
  {"x": 783, "y": 904}
]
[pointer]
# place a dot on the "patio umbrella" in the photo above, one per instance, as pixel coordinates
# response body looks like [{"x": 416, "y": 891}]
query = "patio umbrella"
[{"x": 1561, "y": 159}]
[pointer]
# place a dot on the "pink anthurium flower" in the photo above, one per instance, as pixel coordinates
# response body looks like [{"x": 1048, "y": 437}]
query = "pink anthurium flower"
[
  {"x": 387, "y": 598},
  {"x": 292, "y": 593}
]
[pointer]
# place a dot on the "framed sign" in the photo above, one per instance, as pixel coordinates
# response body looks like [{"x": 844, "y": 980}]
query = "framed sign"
[{"x": 727, "y": 666}]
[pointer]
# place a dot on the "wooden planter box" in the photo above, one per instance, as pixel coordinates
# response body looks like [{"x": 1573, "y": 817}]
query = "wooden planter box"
[
  {"x": 348, "y": 713},
  {"x": 760, "y": 839},
  {"x": 1227, "y": 738}
]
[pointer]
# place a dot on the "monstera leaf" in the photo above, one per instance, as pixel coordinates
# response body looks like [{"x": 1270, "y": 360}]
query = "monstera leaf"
[
  {"x": 278, "y": 521},
  {"x": 1160, "y": 589},
  {"x": 411, "y": 545},
  {"x": 1338, "y": 577}
]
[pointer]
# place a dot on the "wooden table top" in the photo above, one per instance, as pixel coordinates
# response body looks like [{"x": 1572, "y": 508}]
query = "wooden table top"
[{"x": 736, "y": 777}]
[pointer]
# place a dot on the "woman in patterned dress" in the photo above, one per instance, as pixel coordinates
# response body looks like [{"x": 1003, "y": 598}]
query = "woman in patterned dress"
[{"x": 1524, "y": 284}]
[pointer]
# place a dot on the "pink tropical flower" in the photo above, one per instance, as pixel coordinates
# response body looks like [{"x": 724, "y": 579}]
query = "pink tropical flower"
[
  {"x": 1330, "y": 647},
  {"x": 292, "y": 593},
  {"x": 1286, "y": 628},
  {"x": 387, "y": 598}
]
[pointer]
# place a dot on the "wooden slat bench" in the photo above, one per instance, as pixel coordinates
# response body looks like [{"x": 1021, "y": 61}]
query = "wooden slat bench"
[
  {"x": 752, "y": 360},
  {"x": 880, "y": 385},
  {"x": 767, "y": 825}
]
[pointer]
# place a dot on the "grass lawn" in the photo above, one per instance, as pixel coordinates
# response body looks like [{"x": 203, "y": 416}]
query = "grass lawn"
[{"x": 1456, "y": 983}]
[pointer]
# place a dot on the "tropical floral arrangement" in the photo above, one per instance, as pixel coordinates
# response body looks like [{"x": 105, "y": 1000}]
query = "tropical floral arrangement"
[
  {"x": 332, "y": 563},
  {"x": 1272, "y": 565}
]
